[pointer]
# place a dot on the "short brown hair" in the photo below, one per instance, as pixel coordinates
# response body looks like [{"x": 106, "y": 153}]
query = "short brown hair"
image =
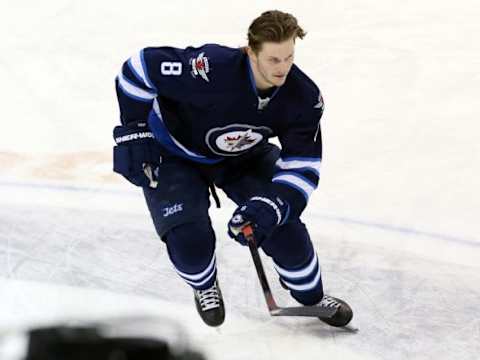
[{"x": 273, "y": 26}]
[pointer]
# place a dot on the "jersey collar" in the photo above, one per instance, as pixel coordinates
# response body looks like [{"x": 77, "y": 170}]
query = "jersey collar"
[{"x": 261, "y": 103}]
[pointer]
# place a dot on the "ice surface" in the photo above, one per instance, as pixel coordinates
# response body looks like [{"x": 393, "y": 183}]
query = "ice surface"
[{"x": 395, "y": 220}]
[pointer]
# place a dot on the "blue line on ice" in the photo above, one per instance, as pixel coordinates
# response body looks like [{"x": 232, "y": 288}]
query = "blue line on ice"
[
  {"x": 403, "y": 230},
  {"x": 386, "y": 227}
]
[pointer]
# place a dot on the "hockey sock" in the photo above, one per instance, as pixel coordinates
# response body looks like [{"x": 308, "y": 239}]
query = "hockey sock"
[
  {"x": 296, "y": 262},
  {"x": 191, "y": 248}
]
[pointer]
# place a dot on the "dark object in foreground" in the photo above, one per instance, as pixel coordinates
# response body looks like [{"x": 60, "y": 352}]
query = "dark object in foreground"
[{"x": 87, "y": 343}]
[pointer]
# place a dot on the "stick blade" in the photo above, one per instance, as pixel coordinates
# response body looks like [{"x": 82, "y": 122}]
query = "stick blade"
[{"x": 308, "y": 311}]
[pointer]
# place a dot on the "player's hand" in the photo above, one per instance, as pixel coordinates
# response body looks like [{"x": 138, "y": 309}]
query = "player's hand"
[
  {"x": 264, "y": 214},
  {"x": 136, "y": 155}
]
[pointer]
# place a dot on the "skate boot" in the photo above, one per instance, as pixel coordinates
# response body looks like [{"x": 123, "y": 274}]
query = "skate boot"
[
  {"x": 342, "y": 316},
  {"x": 210, "y": 306}
]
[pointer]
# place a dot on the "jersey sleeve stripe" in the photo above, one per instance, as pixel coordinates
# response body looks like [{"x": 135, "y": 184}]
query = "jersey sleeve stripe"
[
  {"x": 134, "y": 91},
  {"x": 137, "y": 63},
  {"x": 299, "y": 164},
  {"x": 309, "y": 182},
  {"x": 132, "y": 70},
  {"x": 295, "y": 181}
]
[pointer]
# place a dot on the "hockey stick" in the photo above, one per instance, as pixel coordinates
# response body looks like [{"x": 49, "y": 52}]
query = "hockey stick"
[{"x": 273, "y": 308}]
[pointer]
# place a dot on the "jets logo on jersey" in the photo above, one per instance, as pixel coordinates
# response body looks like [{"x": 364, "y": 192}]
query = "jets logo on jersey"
[
  {"x": 171, "y": 210},
  {"x": 200, "y": 66},
  {"x": 238, "y": 140},
  {"x": 235, "y": 139}
]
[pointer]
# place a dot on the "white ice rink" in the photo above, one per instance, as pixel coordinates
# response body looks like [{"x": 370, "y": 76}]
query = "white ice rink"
[{"x": 395, "y": 220}]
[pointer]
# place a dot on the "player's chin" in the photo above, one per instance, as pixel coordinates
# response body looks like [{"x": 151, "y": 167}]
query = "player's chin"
[{"x": 278, "y": 80}]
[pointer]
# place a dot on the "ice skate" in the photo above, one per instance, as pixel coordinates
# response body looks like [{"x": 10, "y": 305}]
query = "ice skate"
[
  {"x": 342, "y": 316},
  {"x": 210, "y": 306}
]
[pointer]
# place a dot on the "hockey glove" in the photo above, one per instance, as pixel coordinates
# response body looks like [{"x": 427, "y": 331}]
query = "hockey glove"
[
  {"x": 136, "y": 155},
  {"x": 264, "y": 214}
]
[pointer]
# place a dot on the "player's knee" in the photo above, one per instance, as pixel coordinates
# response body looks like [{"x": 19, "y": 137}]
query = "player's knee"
[{"x": 191, "y": 246}]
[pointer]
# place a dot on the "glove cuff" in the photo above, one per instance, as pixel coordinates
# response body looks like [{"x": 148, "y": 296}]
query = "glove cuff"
[
  {"x": 133, "y": 136},
  {"x": 279, "y": 207}
]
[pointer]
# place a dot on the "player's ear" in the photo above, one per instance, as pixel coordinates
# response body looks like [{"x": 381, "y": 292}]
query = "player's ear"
[{"x": 251, "y": 54}]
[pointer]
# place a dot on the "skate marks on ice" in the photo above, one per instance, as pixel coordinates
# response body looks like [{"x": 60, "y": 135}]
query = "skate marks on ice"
[
  {"x": 402, "y": 301},
  {"x": 404, "y": 230},
  {"x": 407, "y": 304},
  {"x": 78, "y": 248}
]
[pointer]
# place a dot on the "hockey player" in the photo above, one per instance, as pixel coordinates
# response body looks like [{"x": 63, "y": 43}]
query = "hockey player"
[{"x": 197, "y": 119}]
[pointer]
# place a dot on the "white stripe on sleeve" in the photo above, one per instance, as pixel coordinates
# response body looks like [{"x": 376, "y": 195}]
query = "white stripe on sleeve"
[
  {"x": 296, "y": 182},
  {"x": 136, "y": 62},
  {"x": 133, "y": 90},
  {"x": 288, "y": 164}
]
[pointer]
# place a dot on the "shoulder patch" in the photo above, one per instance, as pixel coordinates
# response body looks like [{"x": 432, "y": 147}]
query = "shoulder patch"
[{"x": 200, "y": 66}]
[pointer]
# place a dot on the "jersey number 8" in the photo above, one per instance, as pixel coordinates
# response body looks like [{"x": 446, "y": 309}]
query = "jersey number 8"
[{"x": 171, "y": 68}]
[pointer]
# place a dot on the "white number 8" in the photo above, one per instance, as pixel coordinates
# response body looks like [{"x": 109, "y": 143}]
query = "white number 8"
[{"x": 171, "y": 68}]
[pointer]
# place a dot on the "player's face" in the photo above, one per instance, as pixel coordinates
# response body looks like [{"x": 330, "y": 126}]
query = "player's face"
[{"x": 272, "y": 63}]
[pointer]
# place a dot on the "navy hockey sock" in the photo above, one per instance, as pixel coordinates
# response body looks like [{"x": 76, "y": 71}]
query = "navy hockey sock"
[
  {"x": 191, "y": 248},
  {"x": 304, "y": 282},
  {"x": 296, "y": 262}
]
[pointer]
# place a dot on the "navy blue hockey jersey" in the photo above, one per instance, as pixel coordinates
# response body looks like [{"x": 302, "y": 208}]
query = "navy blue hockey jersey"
[{"x": 202, "y": 104}]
